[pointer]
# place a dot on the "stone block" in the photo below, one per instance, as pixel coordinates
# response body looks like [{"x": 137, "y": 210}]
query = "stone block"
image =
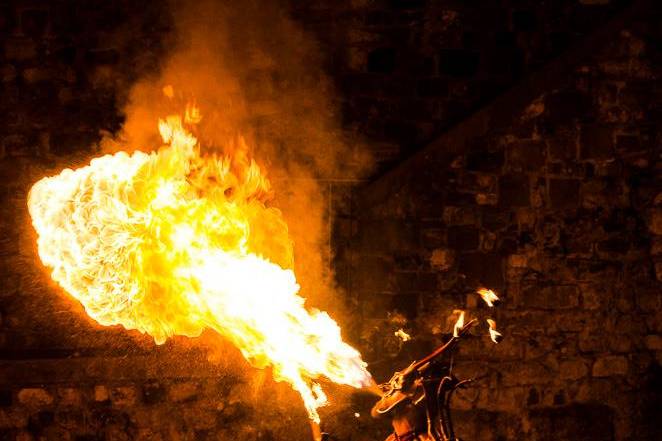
[
  {"x": 563, "y": 145},
  {"x": 596, "y": 142},
  {"x": 374, "y": 274},
  {"x": 7, "y": 73},
  {"x": 34, "y": 75},
  {"x": 610, "y": 366},
  {"x": 564, "y": 193},
  {"x": 24, "y": 435},
  {"x": 182, "y": 392},
  {"x": 653, "y": 342},
  {"x": 517, "y": 261},
  {"x": 101, "y": 393},
  {"x": 550, "y": 297},
  {"x": 153, "y": 392},
  {"x": 69, "y": 396},
  {"x": 525, "y": 373},
  {"x": 463, "y": 238},
  {"x": 460, "y": 216},
  {"x": 628, "y": 143},
  {"x": 34, "y": 397},
  {"x": 406, "y": 304},
  {"x": 6, "y": 398},
  {"x": 20, "y": 49},
  {"x": 574, "y": 422},
  {"x": 483, "y": 268},
  {"x": 514, "y": 191},
  {"x": 485, "y": 161},
  {"x": 655, "y": 223},
  {"x": 199, "y": 419},
  {"x": 573, "y": 369},
  {"x": 13, "y": 418},
  {"x": 526, "y": 155},
  {"x": 442, "y": 259},
  {"x": 124, "y": 396},
  {"x": 592, "y": 296},
  {"x": 566, "y": 106},
  {"x": 35, "y": 22},
  {"x": 620, "y": 344},
  {"x": 487, "y": 198}
]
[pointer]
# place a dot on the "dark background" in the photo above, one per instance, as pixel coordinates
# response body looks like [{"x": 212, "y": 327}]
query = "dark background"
[{"x": 517, "y": 146}]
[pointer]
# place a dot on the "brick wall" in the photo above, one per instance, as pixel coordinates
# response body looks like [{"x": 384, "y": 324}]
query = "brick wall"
[
  {"x": 557, "y": 211},
  {"x": 557, "y": 208},
  {"x": 408, "y": 69}
]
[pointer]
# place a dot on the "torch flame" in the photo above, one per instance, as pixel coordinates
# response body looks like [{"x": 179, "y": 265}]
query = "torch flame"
[
  {"x": 495, "y": 335},
  {"x": 458, "y": 325},
  {"x": 173, "y": 242},
  {"x": 488, "y": 296}
]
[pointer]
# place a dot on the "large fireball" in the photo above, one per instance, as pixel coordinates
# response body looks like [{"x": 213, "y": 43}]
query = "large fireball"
[{"x": 173, "y": 242}]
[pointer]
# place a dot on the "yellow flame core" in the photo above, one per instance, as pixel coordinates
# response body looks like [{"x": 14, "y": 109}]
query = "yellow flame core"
[{"x": 173, "y": 242}]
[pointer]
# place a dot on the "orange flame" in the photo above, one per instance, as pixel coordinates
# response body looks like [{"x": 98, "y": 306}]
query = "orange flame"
[
  {"x": 488, "y": 296},
  {"x": 173, "y": 242},
  {"x": 495, "y": 335},
  {"x": 458, "y": 325}
]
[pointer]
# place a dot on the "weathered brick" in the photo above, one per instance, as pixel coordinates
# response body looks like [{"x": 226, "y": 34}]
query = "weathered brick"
[
  {"x": 517, "y": 261},
  {"x": 35, "y": 397},
  {"x": 610, "y": 366},
  {"x": 485, "y": 161},
  {"x": 573, "y": 369},
  {"x": 550, "y": 297},
  {"x": 442, "y": 259},
  {"x": 563, "y": 145},
  {"x": 35, "y": 22},
  {"x": 526, "y": 155},
  {"x": 7, "y": 73},
  {"x": 596, "y": 142},
  {"x": 34, "y": 75},
  {"x": 628, "y": 143},
  {"x": 123, "y": 396},
  {"x": 13, "y": 418},
  {"x": 578, "y": 422},
  {"x": 483, "y": 268},
  {"x": 69, "y": 396},
  {"x": 20, "y": 49},
  {"x": 6, "y": 398},
  {"x": 655, "y": 223},
  {"x": 153, "y": 392},
  {"x": 514, "y": 191},
  {"x": 563, "y": 193},
  {"x": 199, "y": 418},
  {"x": 101, "y": 393},
  {"x": 181, "y": 392},
  {"x": 653, "y": 342},
  {"x": 463, "y": 238}
]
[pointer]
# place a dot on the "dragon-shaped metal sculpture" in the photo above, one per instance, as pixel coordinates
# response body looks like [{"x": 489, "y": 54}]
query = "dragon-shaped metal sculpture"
[{"x": 424, "y": 385}]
